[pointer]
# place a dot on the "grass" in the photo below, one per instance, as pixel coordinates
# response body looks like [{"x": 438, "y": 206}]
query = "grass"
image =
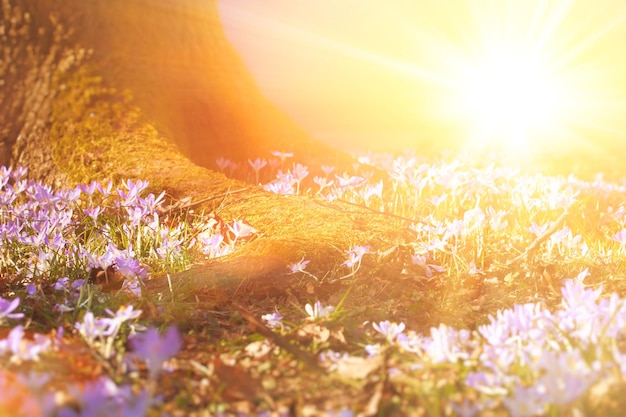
[{"x": 488, "y": 292}]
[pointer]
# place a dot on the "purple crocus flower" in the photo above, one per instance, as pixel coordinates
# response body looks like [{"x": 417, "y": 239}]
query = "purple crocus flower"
[
  {"x": 526, "y": 401},
  {"x": 92, "y": 328},
  {"x": 389, "y": 329},
  {"x": 19, "y": 172},
  {"x": 322, "y": 182},
  {"x": 7, "y": 307},
  {"x": 317, "y": 311},
  {"x": 223, "y": 163},
  {"x": 93, "y": 212},
  {"x": 538, "y": 230},
  {"x": 257, "y": 165},
  {"x": 620, "y": 236},
  {"x": 22, "y": 349},
  {"x": 240, "y": 229},
  {"x": 88, "y": 189},
  {"x": 31, "y": 289},
  {"x": 299, "y": 172},
  {"x": 130, "y": 268},
  {"x": 346, "y": 181},
  {"x": 355, "y": 254},
  {"x": 372, "y": 350},
  {"x": 565, "y": 376},
  {"x": 490, "y": 383},
  {"x": 282, "y": 186},
  {"x": 151, "y": 203},
  {"x": 61, "y": 284},
  {"x": 273, "y": 320},
  {"x": 282, "y": 155},
  {"x": 328, "y": 169},
  {"x": 122, "y": 315},
  {"x": 155, "y": 348},
  {"x": 372, "y": 190},
  {"x": 134, "y": 189},
  {"x": 298, "y": 266}
]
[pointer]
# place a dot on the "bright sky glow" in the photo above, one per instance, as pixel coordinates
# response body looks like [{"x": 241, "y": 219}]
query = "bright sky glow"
[
  {"x": 507, "y": 74},
  {"x": 507, "y": 96}
]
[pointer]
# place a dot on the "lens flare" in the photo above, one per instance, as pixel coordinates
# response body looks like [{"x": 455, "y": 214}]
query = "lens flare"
[{"x": 525, "y": 78}]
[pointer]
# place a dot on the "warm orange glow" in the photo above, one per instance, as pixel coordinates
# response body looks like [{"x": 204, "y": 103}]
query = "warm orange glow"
[{"x": 509, "y": 75}]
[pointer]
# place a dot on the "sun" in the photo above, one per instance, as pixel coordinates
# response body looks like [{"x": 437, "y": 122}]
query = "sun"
[
  {"x": 526, "y": 79},
  {"x": 507, "y": 98},
  {"x": 529, "y": 79},
  {"x": 509, "y": 95}
]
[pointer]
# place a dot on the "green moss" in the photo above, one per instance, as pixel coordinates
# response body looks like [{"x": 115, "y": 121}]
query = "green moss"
[{"x": 98, "y": 133}]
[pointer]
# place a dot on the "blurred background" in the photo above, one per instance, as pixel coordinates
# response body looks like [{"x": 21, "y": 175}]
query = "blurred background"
[{"x": 526, "y": 78}]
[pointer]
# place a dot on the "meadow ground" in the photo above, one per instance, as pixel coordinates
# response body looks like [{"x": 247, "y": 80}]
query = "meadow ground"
[{"x": 489, "y": 291}]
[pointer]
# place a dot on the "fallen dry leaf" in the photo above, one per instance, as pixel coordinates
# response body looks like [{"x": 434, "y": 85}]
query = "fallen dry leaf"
[
  {"x": 236, "y": 384},
  {"x": 259, "y": 349},
  {"x": 318, "y": 333},
  {"x": 358, "y": 368}
]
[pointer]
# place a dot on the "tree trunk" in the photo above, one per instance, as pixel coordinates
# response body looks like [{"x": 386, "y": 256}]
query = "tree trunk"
[{"x": 150, "y": 89}]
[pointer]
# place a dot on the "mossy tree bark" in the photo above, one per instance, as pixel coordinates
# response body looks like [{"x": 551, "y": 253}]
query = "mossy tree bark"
[
  {"x": 171, "y": 58},
  {"x": 121, "y": 89}
]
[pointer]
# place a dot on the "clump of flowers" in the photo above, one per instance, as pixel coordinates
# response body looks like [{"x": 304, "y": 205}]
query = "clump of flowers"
[
  {"x": 523, "y": 359},
  {"x": 100, "y": 333}
]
